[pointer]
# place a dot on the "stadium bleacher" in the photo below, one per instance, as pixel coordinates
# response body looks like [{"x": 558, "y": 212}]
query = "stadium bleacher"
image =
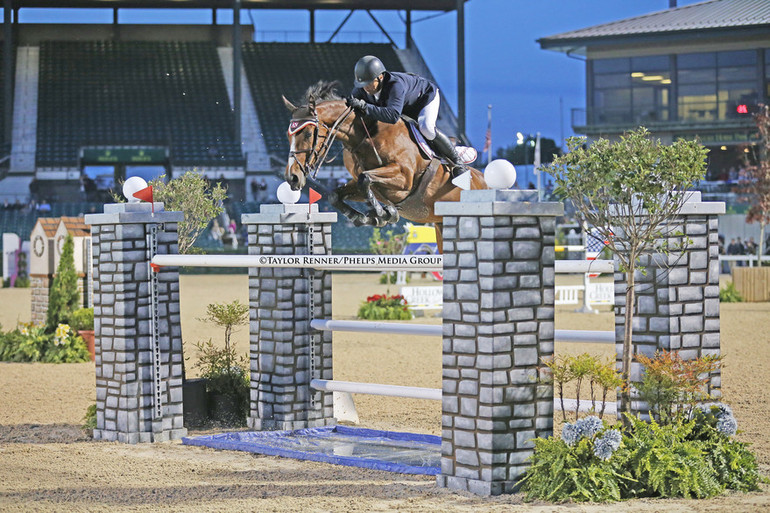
[
  {"x": 275, "y": 69},
  {"x": 134, "y": 93}
]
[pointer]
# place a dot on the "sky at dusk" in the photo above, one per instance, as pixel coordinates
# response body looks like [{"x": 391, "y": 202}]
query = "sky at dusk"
[{"x": 505, "y": 65}]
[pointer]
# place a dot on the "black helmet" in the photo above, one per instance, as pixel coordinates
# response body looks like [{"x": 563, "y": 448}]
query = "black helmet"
[{"x": 367, "y": 69}]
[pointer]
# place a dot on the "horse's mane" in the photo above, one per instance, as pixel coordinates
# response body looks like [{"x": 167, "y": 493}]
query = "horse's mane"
[{"x": 322, "y": 91}]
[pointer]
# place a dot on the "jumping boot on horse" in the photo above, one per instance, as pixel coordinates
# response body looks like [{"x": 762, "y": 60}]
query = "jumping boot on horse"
[{"x": 444, "y": 147}]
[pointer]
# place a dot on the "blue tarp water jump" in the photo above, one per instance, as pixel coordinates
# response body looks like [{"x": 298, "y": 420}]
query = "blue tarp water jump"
[{"x": 405, "y": 453}]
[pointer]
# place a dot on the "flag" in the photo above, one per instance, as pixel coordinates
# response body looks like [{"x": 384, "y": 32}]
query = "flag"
[
  {"x": 594, "y": 243},
  {"x": 146, "y": 195},
  {"x": 313, "y": 195}
]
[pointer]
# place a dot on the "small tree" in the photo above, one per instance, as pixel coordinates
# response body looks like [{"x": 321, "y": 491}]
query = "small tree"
[
  {"x": 192, "y": 194},
  {"x": 629, "y": 191},
  {"x": 755, "y": 182},
  {"x": 63, "y": 296}
]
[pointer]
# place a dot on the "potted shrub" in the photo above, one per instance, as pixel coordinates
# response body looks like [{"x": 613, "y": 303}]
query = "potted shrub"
[
  {"x": 225, "y": 371},
  {"x": 82, "y": 321}
]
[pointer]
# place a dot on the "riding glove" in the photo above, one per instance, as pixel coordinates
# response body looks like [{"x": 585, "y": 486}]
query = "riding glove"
[{"x": 356, "y": 103}]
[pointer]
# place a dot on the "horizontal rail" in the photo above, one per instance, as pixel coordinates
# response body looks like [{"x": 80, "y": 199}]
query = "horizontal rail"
[
  {"x": 434, "y": 330},
  {"x": 432, "y": 394},
  {"x": 320, "y": 262},
  {"x": 559, "y": 248},
  {"x": 601, "y": 337},
  {"x": 396, "y": 328},
  {"x": 353, "y": 262},
  {"x": 584, "y": 266}
]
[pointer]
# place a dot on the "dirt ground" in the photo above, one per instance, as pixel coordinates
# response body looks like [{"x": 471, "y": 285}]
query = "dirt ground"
[{"x": 47, "y": 464}]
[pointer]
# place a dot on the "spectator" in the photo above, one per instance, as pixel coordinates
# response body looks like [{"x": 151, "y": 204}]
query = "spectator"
[
  {"x": 216, "y": 232},
  {"x": 44, "y": 206},
  {"x": 254, "y": 189},
  {"x": 262, "y": 190}
]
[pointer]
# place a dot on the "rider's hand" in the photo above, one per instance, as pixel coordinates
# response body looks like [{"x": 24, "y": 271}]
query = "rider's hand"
[{"x": 356, "y": 103}]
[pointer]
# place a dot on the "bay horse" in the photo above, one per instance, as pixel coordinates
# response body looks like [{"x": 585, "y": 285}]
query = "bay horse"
[{"x": 388, "y": 171}]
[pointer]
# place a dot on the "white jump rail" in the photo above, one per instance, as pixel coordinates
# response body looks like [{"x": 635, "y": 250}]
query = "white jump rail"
[
  {"x": 353, "y": 262},
  {"x": 319, "y": 262},
  {"x": 583, "y": 266},
  {"x": 431, "y": 394},
  {"x": 436, "y": 330}
]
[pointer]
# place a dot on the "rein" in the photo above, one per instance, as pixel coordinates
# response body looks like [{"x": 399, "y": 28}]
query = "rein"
[{"x": 317, "y": 156}]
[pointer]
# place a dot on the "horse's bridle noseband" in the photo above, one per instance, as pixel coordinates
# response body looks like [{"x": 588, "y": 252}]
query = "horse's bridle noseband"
[{"x": 317, "y": 156}]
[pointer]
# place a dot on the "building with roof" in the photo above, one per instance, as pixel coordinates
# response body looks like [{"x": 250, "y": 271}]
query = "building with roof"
[
  {"x": 684, "y": 72},
  {"x": 47, "y": 241}
]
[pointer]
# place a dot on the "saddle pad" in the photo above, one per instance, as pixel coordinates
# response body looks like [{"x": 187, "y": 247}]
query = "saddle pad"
[{"x": 467, "y": 154}]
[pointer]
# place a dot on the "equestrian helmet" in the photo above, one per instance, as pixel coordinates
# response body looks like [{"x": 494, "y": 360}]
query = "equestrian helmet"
[{"x": 367, "y": 69}]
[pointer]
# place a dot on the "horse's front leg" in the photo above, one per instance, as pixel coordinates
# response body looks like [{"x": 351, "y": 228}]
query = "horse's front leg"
[
  {"x": 388, "y": 177},
  {"x": 349, "y": 191}
]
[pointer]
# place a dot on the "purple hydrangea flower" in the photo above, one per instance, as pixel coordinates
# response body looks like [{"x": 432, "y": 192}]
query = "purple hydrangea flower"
[
  {"x": 727, "y": 425},
  {"x": 589, "y": 426},
  {"x": 612, "y": 437},
  {"x": 603, "y": 448},
  {"x": 570, "y": 434}
]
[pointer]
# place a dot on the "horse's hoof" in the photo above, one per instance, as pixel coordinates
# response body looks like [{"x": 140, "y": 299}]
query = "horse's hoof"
[{"x": 392, "y": 214}]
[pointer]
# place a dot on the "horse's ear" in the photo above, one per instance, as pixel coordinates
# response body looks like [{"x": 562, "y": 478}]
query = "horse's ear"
[
  {"x": 311, "y": 103},
  {"x": 288, "y": 104}
]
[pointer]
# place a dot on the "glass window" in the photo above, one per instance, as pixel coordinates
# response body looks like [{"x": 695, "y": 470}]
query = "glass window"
[
  {"x": 611, "y": 65},
  {"x": 696, "y": 60},
  {"x": 716, "y": 86},
  {"x": 650, "y": 63},
  {"x": 738, "y": 58}
]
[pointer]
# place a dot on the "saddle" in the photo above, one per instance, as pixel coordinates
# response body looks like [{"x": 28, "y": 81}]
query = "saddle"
[{"x": 467, "y": 154}]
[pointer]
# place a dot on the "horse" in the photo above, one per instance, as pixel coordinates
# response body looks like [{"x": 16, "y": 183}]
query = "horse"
[{"x": 388, "y": 171}]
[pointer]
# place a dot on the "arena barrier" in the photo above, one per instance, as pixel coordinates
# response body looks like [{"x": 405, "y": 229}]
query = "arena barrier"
[{"x": 497, "y": 326}]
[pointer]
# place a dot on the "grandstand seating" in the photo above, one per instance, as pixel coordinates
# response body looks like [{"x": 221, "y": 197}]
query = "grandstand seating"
[
  {"x": 275, "y": 69},
  {"x": 134, "y": 93}
]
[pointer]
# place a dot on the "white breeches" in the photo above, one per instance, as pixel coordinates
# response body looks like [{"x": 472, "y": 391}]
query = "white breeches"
[{"x": 428, "y": 116}]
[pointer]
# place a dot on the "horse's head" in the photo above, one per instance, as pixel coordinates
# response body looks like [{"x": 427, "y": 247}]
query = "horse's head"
[
  {"x": 310, "y": 134},
  {"x": 304, "y": 142}
]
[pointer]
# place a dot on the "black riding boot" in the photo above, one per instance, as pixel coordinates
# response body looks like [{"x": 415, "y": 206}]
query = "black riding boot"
[{"x": 444, "y": 147}]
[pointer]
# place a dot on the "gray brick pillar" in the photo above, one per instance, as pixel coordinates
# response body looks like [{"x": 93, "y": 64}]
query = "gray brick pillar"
[
  {"x": 125, "y": 373},
  {"x": 498, "y": 326},
  {"x": 677, "y": 302},
  {"x": 284, "y": 356}
]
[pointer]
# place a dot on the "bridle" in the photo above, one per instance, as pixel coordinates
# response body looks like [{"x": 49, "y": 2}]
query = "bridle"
[{"x": 316, "y": 156}]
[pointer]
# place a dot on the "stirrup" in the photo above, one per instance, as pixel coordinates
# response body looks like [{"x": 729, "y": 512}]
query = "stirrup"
[{"x": 458, "y": 169}]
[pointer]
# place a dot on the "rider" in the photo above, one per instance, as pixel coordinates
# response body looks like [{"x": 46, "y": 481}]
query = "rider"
[{"x": 385, "y": 95}]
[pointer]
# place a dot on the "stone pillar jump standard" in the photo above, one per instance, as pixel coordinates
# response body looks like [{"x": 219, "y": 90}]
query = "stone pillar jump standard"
[
  {"x": 283, "y": 359},
  {"x": 677, "y": 302},
  {"x": 125, "y": 382},
  {"x": 498, "y": 326}
]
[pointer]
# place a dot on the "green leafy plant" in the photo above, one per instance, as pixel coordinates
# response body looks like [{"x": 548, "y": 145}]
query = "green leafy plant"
[
  {"x": 729, "y": 294},
  {"x": 565, "y": 369},
  {"x": 629, "y": 191},
  {"x": 384, "y": 307},
  {"x": 89, "y": 420},
  {"x": 672, "y": 386},
  {"x": 666, "y": 463},
  {"x": 66, "y": 347},
  {"x": 560, "y": 375},
  {"x": 82, "y": 319},
  {"x": 735, "y": 465},
  {"x": 223, "y": 368},
  {"x": 31, "y": 343},
  {"x": 63, "y": 296},
  {"x": 192, "y": 194},
  {"x": 586, "y": 464}
]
